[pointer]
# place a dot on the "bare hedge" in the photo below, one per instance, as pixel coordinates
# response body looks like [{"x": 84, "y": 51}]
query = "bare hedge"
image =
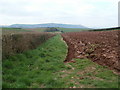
[{"x": 18, "y": 43}]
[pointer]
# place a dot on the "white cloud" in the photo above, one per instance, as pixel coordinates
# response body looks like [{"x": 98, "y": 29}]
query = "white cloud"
[{"x": 92, "y": 13}]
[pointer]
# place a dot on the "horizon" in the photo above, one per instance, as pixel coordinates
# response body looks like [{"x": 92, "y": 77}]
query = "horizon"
[
  {"x": 60, "y": 23},
  {"x": 91, "y": 14}
]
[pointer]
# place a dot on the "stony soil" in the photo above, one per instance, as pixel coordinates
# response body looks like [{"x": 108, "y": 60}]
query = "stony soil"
[{"x": 101, "y": 47}]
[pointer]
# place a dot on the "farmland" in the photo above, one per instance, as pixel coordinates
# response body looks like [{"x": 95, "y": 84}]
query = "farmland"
[
  {"x": 28, "y": 30},
  {"x": 71, "y": 29},
  {"x": 38, "y": 59},
  {"x": 59, "y": 29},
  {"x": 49, "y": 29},
  {"x": 36, "y": 29},
  {"x": 101, "y": 47},
  {"x": 13, "y": 30}
]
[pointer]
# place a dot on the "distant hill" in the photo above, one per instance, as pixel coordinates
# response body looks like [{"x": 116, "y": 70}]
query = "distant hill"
[{"x": 46, "y": 25}]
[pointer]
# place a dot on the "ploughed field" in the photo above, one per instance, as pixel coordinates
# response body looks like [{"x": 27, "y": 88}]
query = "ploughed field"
[
  {"x": 101, "y": 47},
  {"x": 35, "y": 60}
]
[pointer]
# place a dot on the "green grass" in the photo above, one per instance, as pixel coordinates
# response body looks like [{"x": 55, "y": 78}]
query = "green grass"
[
  {"x": 36, "y": 68},
  {"x": 13, "y": 30},
  {"x": 37, "y": 29},
  {"x": 61, "y": 29},
  {"x": 44, "y": 68},
  {"x": 87, "y": 74},
  {"x": 71, "y": 29}
]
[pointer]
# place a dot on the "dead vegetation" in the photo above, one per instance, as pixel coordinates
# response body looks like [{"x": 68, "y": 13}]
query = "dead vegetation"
[{"x": 20, "y": 42}]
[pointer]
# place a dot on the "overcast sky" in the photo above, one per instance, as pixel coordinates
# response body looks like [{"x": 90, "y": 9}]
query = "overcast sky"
[{"x": 90, "y": 13}]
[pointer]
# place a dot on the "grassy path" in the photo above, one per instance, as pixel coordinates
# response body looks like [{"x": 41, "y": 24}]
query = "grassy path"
[
  {"x": 44, "y": 68},
  {"x": 36, "y": 68},
  {"x": 87, "y": 74}
]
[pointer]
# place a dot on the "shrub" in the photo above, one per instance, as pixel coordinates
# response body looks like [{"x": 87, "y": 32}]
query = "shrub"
[{"x": 18, "y": 43}]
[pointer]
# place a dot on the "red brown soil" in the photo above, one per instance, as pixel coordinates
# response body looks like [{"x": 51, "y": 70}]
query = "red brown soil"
[{"x": 101, "y": 47}]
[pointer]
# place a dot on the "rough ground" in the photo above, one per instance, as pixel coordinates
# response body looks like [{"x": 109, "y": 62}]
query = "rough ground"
[{"x": 101, "y": 47}]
